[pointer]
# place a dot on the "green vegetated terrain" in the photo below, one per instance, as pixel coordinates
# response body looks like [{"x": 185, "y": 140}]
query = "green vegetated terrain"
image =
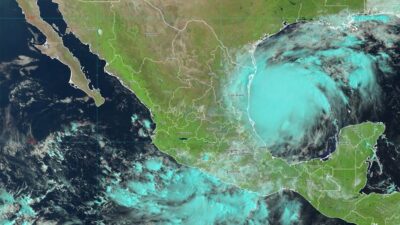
[
  {"x": 333, "y": 186},
  {"x": 175, "y": 56}
]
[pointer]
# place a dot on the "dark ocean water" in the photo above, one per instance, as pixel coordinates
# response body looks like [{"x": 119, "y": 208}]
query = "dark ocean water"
[
  {"x": 36, "y": 104},
  {"x": 62, "y": 158},
  {"x": 340, "y": 65}
]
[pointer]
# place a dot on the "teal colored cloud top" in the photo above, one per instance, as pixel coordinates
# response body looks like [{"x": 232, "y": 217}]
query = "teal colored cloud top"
[
  {"x": 311, "y": 79},
  {"x": 159, "y": 191},
  {"x": 15, "y": 208},
  {"x": 173, "y": 195}
]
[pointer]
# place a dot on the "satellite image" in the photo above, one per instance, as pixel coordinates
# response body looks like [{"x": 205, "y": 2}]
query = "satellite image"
[{"x": 200, "y": 112}]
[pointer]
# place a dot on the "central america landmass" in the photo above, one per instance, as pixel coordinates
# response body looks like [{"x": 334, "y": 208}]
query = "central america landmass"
[{"x": 175, "y": 57}]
